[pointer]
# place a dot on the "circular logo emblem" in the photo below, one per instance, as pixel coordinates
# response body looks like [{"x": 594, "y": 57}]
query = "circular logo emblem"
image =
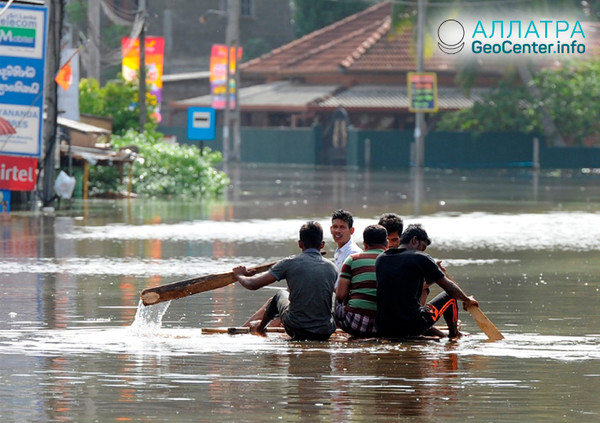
[{"x": 451, "y": 34}]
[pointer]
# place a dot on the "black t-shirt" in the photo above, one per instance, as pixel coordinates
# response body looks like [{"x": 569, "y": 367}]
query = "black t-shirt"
[{"x": 401, "y": 274}]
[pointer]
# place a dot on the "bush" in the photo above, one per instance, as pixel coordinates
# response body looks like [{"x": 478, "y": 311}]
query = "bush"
[{"x": 164, "y": 169}]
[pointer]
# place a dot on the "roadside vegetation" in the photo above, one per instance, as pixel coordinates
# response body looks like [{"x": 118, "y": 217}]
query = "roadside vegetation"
[
  {"x": 163, "y": 168},
  {"x": 568, "y": 95}
]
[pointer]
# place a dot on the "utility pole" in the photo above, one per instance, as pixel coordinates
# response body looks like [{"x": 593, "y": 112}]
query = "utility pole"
[
  {"x": 232, "y": 118},
  {"x": 93, "y": 47},
  {"x": 52, "y": 64},
  {"x": 142, "y": 67},
  {"x": 420, "y": 116}
]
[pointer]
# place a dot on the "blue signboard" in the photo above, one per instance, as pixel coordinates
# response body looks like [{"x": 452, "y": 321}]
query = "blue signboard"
[
  {"x": 23, "y": 33},
  {"x": 201, "y": 124},
  {"x": 4, "y": 201}
]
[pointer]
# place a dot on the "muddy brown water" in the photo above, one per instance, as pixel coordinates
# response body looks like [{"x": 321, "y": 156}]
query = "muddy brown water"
[{"x": 525, "y": 244}]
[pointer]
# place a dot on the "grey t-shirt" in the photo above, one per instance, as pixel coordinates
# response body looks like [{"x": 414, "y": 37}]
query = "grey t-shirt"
[{"x": 310, "y": 279}]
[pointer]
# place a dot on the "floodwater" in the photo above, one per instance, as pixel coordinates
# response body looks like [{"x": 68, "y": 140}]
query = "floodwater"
[{"x": 525, "y": 244}]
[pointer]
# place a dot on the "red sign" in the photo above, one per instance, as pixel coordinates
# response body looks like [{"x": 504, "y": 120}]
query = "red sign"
[{"x": 17, "y": 173}]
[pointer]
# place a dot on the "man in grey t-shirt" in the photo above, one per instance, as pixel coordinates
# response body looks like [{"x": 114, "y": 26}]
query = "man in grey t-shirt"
[{"x": 305, "y": 308}]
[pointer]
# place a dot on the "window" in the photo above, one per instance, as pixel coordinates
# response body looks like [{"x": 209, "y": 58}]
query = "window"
[{"x": 246, "y": 8}]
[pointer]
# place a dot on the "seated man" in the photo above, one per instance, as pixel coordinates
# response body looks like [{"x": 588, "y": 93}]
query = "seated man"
[
  {"x": 341, "y": 230},
  {"x": 357, "y": 287},
  {"x": 393, "y": 224},
  {"x": 305, "y": 308},
  {"x": 402, "y": 274}
]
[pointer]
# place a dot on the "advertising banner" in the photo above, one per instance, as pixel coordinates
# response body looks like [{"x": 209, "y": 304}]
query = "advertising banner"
[
  {"x": 218, "y": 75},
  {"x": 154, "y": 51},
  {"x": 23, "y": 32},
  {"x": 18, "y": 173}
]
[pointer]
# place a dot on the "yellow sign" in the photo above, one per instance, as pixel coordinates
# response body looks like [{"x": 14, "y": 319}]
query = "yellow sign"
[{"x": 422, "y": 92}]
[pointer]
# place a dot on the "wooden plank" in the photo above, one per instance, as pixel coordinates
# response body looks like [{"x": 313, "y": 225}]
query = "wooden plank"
[
  {"x": 186, "y": 287},
  {"x": 485, "y": 324},
  {"x": 239, "y": 330}
]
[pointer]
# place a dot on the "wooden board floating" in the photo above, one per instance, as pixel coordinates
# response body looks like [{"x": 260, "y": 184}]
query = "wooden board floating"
[{"x": 186, "y": 287}]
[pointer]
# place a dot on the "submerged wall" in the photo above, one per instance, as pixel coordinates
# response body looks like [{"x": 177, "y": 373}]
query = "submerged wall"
[{"x": 393, "y": 149}]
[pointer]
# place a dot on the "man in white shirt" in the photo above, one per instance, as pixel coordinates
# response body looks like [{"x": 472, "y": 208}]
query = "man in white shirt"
[{"x": 341, "y": 231}]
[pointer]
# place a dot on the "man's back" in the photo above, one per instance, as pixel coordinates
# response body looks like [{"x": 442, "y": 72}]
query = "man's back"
[
  {"x": 310, "y": 280},
  {"x": 360, "y": 270},
  {"x": 401, "y": 274}
]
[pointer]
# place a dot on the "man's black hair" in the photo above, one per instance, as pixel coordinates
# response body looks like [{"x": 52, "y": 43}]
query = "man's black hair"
[
  {"x": 375, "y": 235},
  {"x": 311, "y": 234},
  {"x": 412, "y": 230},
  {"x": 392, "y": 223},
  {"x": 344, "y": 215}
]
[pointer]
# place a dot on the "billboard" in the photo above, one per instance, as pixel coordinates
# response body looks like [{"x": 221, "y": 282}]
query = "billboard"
[{"x": 23, "y": 37}]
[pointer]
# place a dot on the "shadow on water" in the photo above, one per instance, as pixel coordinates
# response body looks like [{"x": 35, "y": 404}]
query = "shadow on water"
[{"x": 76, "y": 345}]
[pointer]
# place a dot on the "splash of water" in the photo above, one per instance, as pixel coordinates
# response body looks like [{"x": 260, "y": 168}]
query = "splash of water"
[{"x": 148, "y": 319}]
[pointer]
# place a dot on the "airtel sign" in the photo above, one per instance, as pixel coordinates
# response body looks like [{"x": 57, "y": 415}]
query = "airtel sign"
[{"x": 17, "y": 173}]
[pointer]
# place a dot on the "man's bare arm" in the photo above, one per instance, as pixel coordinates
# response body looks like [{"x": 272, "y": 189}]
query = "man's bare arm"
[
  {"x": 251, "y": 281},
  {"x": 456, "y": 292}
]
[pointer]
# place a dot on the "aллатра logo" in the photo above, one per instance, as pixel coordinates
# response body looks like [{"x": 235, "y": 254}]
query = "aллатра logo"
[
  {"x": 511, "y": 36},
  {"x": 451, "y": 35}
]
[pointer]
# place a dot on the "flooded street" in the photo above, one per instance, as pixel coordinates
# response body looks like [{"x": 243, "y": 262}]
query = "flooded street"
[{"x": 525, "y": 245}]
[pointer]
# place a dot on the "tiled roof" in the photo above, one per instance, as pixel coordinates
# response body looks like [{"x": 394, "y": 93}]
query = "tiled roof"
[{"x": 358, "y": 43}]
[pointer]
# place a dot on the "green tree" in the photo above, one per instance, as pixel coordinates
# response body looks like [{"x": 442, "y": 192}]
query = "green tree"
[
  {"x": 118, "y": 99},
  {"x": 567, "y": 94}
]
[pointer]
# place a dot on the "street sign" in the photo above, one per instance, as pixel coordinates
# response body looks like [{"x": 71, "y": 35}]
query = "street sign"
[
  {"x": 422, "y": 92},
  {"x": 22, "y": 66},
  {"x": 201, "y": 124}
]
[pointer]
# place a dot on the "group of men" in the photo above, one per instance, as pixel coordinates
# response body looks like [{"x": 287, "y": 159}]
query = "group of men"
[{"x": 380, "y": 290}]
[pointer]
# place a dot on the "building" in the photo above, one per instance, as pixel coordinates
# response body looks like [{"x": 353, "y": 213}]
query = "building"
[{"x": 354, "y": 64}]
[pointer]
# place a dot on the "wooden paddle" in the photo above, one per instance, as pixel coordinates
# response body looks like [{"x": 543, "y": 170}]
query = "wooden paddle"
[
  {"x": 485, "y": 324},
  {"x": 480, "y": 318},
  {"x": 183, "y": 288}
]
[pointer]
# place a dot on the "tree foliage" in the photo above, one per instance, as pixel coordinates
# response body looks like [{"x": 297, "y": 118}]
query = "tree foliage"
[
  {"x": 568, "y": 94},
  {"x": 118, "y": 99}
]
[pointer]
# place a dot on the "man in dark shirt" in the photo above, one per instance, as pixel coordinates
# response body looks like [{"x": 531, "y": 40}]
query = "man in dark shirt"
[{"x": 402, "y": 274}]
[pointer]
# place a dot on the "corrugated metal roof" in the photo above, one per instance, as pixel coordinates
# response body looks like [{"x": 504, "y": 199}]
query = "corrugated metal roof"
[
  {"x": 396, "y": 97},
  {"x": 277, "y": 94},
  {"x": 289, "y": 95},
  {"x": 80, "y": 126}
]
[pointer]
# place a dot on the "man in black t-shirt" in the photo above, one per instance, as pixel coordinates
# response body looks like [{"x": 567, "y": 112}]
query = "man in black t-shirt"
[{"x": 402, "y": 273}]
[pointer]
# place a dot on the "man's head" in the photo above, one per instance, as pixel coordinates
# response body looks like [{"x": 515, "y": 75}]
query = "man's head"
[
  {"x": 393, "y": 224},
  {"x": 341, "y": 227},
  {"x": 311, "y": 235},
  {"x": 375, "y": 236},
  {"x": 415, "y": 238}
]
